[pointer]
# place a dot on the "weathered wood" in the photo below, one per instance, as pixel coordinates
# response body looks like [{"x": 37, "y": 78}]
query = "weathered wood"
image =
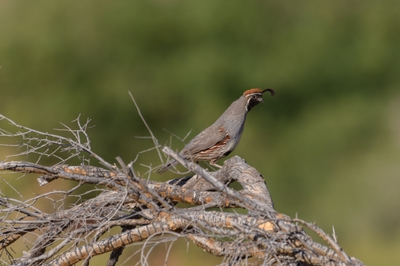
[{"x": 145, "y": 209}]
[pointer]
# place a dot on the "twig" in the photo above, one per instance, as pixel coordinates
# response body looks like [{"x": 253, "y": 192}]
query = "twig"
[{"x": 155, "y": 141}]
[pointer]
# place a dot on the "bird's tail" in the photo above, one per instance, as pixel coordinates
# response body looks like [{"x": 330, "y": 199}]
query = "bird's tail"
[{"x": 163, "y": 168}]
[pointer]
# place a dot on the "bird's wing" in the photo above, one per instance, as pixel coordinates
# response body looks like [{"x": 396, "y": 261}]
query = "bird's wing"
[{"x": 204, "y": 140}]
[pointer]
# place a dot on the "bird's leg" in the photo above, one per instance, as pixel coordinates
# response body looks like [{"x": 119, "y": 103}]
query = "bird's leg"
[{"x": 213, "y": 163}]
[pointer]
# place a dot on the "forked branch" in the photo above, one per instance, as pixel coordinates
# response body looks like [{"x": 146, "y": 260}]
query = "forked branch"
[{"x": 143, "y": 209}]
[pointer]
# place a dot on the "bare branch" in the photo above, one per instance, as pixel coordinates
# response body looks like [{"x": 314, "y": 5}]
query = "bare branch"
[
  {"x": 155, "y": 141},
  {"x": 146, "y": 212}
]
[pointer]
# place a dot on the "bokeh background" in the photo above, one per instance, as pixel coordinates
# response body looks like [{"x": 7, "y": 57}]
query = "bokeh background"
[{"x": 328, "y": 143}]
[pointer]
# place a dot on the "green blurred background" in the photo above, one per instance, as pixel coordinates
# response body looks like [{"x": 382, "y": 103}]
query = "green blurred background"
[{"x": 328, "y": 143}]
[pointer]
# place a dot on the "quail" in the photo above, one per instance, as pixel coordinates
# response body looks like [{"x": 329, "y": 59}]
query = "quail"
[{"x": 221, "y": 138}]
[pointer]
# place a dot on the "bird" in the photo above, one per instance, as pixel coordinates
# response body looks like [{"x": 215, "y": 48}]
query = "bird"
[{"x": 221, "y": 138}]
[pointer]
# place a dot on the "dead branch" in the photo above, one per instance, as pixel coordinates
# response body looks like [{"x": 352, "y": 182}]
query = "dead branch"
[{"x": 144, "y": 209}]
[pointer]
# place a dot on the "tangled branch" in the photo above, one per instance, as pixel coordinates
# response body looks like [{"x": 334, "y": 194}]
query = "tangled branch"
[{"x": 144, "y": 209}]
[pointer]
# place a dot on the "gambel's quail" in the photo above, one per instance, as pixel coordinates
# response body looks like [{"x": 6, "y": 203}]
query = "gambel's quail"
[{"x": 222, "y": 137}]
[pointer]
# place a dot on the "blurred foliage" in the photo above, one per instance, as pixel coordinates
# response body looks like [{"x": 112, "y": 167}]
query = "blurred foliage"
[{"x": 327, "y": 144}]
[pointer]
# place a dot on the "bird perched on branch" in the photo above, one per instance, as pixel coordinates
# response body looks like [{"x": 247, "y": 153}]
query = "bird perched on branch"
[{"x": 222, "y": 137}]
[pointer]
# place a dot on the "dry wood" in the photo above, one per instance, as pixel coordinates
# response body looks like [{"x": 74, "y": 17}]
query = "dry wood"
[{"x": 144, "y": 209}]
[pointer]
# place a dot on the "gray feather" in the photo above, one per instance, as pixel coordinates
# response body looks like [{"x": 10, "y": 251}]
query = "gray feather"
[{"x": 222, "y": 137}]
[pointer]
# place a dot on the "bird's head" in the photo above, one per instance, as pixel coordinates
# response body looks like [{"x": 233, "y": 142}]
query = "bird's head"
[{"x": 255, "y": 96}]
